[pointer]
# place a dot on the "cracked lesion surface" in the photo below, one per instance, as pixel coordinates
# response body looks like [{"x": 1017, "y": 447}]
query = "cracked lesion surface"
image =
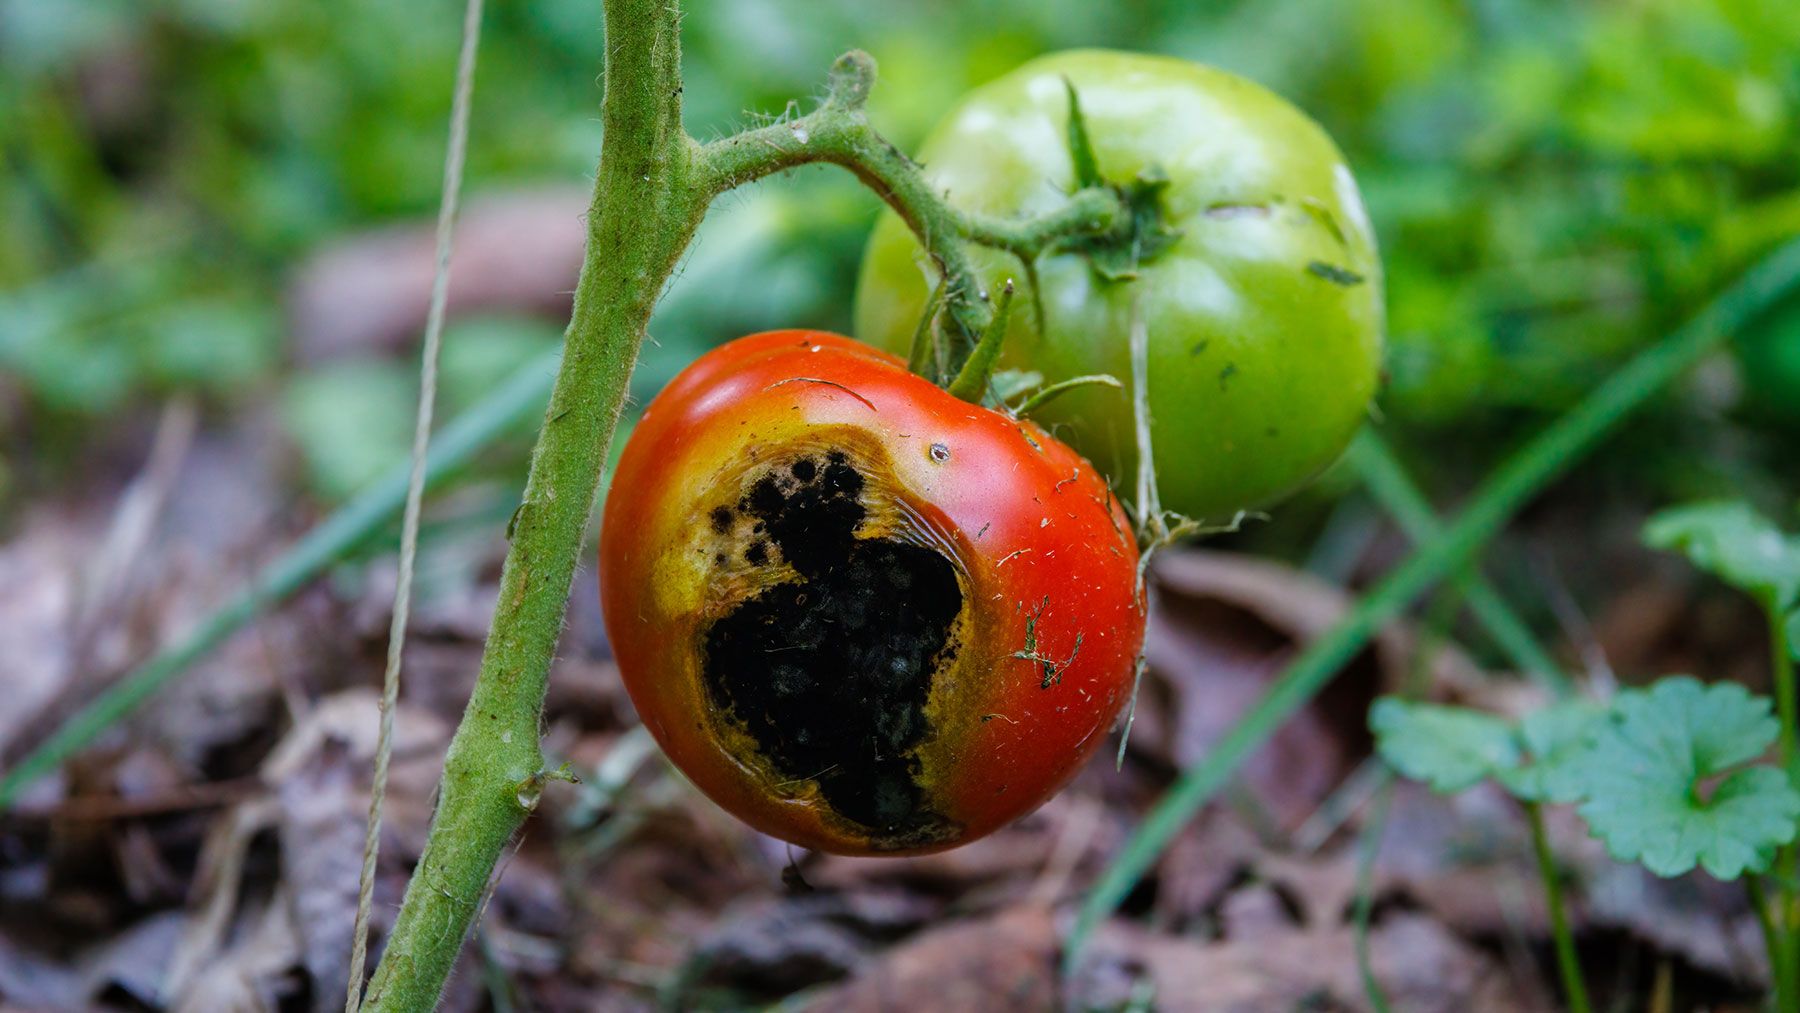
[{"x": 829, "y": 671}]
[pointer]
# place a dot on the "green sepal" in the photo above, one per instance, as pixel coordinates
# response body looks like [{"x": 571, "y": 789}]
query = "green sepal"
[
  {"x": 1116, "y": 254},
  {"x": 1081, "y": 146}
]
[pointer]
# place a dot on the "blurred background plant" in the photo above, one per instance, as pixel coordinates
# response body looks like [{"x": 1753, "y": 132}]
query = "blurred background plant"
[
  {"x": 1553, "y": 184},
  {"x": 227, "y": 204}
]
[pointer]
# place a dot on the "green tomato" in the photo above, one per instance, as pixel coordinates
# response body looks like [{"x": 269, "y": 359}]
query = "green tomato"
[{"x": 1264, "y": 313}]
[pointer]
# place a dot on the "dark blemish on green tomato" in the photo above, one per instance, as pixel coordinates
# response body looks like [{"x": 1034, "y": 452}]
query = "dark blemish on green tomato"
[
  {"x": 1334, "y": 274},
  {"x": 1228, "y": 210},
  {"x": 1316, "y": 208}
]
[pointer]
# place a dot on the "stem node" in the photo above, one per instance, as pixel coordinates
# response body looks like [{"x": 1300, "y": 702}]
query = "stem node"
[{"x": 852, "y": 78}]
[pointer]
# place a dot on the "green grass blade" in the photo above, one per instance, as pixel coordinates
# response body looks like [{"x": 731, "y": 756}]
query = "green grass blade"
[
  {"x": 517, "y": 398},
  {"x": 1522, "y": 476},
  {"x": 1568, "y": 959},
  {"x": 1386, "y": 480},
  {"x": 1368, "y": 850}
]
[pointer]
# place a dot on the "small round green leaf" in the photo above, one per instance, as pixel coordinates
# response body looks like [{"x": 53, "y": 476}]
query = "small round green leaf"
[
  {"x": 1666, "y": 786},
  {"x": 1556, "y": 741},
  {"x": 1448, "y": 748},
  {"x": 1733, "y": 542}
]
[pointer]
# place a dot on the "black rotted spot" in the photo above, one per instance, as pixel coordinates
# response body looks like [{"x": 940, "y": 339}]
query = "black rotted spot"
[
  {"x": 721, "y": 519},
  {"x": 830, "y": 673}
]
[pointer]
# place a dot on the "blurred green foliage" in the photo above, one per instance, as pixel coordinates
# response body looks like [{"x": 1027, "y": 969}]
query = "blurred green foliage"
[{"x": 1553, "y": 183}]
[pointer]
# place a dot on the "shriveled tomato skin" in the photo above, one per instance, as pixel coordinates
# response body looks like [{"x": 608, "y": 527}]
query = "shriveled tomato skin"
[{"x": 724, "y": 574}]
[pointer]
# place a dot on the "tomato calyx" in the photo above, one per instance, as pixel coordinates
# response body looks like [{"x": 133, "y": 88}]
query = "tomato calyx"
[
  {"x": 1140, "y": 233},
  {"x": 979, "y": 382},
  {"x": 974, "y": 381},
  {"x": 1114, "y": 253}
]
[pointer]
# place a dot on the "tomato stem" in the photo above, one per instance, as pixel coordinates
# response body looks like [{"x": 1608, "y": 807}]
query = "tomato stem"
[
  {"x": 1047, "y": 394},
  {"x": 644, "y": 213},
  {"x": 971, "y": 383},
  {"x": 927, "y": 356},
  {"x": 1090, "y": 212},
  {"x": 838, "y": 132}
]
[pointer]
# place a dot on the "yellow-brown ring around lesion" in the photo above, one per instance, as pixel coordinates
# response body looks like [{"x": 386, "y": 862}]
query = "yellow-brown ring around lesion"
[{"x": 723, "y": 557}]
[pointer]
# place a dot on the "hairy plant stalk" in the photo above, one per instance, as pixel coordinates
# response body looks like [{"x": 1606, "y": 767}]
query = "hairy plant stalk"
[
  {"x": 644, "y": 213},
  {"x": 839, "y": 133}
]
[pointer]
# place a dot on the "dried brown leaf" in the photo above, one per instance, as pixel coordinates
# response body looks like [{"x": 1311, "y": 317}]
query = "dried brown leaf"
[
  {"x": 1421, "y": 967},
  {"x": 770, "y": 948},
  {"x": 1004, "y": 961},
  {"x": 519, "y": 250}
]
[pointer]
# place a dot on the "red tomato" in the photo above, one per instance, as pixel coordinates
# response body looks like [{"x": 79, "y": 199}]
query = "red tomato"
[{"x": 861, "y": 614}]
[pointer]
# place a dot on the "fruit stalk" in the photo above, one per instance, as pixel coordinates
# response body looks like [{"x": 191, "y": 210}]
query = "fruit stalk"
[{"x": 838, "y": 132}]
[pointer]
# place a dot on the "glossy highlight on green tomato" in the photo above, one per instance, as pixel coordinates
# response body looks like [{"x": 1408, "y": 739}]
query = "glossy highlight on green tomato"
[
  {"x": 1264, "y": 314},
  {"x": 859, "y": 613}
]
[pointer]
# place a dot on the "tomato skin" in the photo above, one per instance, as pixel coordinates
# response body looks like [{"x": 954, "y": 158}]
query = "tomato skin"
[
  {"x": 1264, "y": 317},
  {"x": 1037, "y": 552}
]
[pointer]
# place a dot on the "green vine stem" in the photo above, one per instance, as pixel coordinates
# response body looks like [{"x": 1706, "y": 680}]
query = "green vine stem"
[
  {"x": 971, "y": 383},
  {"x": 1781, "y": 972},
  {"x": 1788, "y": 860},
  {"x": 838, "y": 132},
  {"x": 644, "y": 213},
  {"x": 652, "y": 189},
  {"x": 1782, "y": 660},
  {"x": 1045, "y": 395},
  {"x": 1568, "y": 963}
]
